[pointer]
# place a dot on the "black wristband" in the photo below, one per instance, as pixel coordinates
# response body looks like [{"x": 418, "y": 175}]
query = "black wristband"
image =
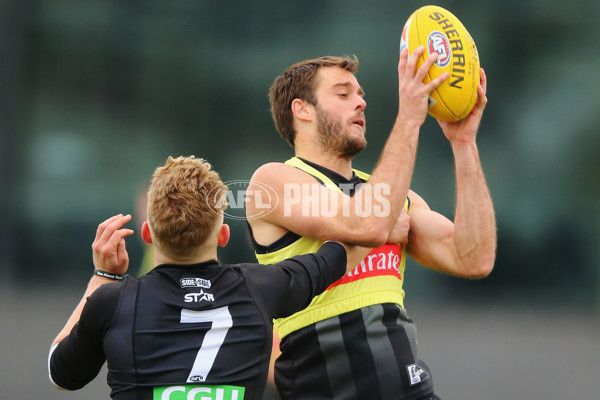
[{"x": 109, "y": 275}]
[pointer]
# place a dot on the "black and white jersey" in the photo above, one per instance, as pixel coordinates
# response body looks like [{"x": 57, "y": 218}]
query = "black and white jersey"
[{"x": 183, "y": 330}]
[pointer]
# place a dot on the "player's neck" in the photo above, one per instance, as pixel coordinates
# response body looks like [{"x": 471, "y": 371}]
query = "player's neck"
[
  {"x": 330, "y": 161},
  {"x": 202, "y": 256}
]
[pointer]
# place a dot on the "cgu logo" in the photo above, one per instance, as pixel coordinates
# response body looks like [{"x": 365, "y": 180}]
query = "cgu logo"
[{"x": 191, "y": 392}]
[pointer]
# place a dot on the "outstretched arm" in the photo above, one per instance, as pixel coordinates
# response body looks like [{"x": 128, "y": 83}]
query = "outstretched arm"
[{"x": 467, "y": 246}]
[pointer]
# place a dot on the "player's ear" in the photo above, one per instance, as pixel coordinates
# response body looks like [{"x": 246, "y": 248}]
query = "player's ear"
[
  {"x": 146, "y": 233},
  {"x": 224, "y": 234},
  {"x": 302, "y": 110}
]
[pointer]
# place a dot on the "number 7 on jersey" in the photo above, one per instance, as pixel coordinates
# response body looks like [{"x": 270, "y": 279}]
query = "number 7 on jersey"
[{"x": 213, "y": 340}]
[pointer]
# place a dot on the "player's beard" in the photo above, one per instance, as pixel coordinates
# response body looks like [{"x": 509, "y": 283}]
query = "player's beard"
[{"x": 334, "y": 139}]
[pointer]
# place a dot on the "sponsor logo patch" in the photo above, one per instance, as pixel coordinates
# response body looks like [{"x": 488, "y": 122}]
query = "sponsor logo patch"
[
  {"x": 198, "y": 297},
  {"x": 383, "y": 260},
  {"x": 195, "y": 282},
  {"x": 416, "y": 374},
  {"x": 194, "y": 392}
]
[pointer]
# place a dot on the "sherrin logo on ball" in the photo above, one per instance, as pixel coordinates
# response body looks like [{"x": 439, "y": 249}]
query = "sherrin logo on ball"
[{"x": 439, "y": 31}]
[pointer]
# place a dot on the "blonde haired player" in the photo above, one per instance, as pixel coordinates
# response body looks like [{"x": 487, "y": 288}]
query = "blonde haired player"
[{"x": 190, "y": 327}]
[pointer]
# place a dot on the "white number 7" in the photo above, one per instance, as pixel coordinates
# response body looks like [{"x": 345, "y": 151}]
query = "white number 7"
[{"x": 214, "y": 338}]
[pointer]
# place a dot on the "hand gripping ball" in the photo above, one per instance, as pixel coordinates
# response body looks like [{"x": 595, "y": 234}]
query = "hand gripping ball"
[{"x": 438, "y": 30}]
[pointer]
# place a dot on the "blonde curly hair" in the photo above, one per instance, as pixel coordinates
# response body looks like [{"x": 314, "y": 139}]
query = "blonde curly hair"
[{"x": 186, "y": 199}]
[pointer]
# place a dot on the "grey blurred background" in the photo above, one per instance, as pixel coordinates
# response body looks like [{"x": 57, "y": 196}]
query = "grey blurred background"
[{"x": 95, "y": 94}]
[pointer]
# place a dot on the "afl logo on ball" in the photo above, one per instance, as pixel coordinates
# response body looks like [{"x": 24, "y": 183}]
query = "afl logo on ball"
[{"x": 438, "y": 43}]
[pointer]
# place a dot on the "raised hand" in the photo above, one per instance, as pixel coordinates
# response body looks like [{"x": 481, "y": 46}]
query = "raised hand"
[
  {"x": 413, "y": 92},
  {"x": 465, "y": 130},
  {"x": 108, "y": 248}
]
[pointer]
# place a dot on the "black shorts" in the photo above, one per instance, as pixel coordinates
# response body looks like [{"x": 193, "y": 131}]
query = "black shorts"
[{"x": 370, "y": 353}]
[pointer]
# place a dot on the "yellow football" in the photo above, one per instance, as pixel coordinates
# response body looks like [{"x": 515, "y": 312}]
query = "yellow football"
[{"x": 438, "y": 30}]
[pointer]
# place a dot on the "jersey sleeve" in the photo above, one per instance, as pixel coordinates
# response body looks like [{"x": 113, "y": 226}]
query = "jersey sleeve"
[
  {"x": 77, "y": 359},
  {"x": 290, "y": 285}
]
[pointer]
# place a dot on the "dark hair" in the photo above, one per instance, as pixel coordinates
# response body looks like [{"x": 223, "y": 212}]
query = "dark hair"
[{"x": 298, "y": 82}]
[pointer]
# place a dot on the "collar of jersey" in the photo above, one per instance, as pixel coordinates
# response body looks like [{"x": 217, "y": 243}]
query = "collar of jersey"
[
  {"x": 332, "y": 175},
  {"x": 210, "y": 264}
]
